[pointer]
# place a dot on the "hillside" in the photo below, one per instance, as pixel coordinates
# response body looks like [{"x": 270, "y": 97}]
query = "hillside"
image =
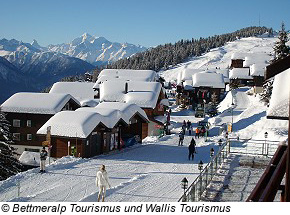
[{"x": 165, "y": 56}]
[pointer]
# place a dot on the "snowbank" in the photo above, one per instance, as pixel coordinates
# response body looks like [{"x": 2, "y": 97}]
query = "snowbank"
[{"x": 279, "y": 103}]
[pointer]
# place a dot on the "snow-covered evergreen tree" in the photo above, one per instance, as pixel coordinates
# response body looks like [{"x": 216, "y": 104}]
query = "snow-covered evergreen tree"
[
  {"x": 267, "y": 91},
  {"x": 281, "y": 50},
  {"x": 9, "y": 165}
]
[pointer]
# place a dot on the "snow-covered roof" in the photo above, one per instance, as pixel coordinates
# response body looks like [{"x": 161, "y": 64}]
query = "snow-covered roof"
[
  {"x": 128, "y": 110},
  {"x": 239, "y": 56},
  {"x": 259, "y": 58},
  {"x": 144, "y": 94},
  {"x": 240, "y": 73},
  {"x": 80, "y": 90},
  {"x": 186, "y": 74},
  {"x": 224, "y": 72},
  {"x": 83, "y": 121},
  {"x": 111, "y": 116},
  {"x": 36, "y": 103},
  {"x": 258, "y": 69},
  {"x": 125, "y": 75},
  {"x": 279, "y": 103},
  {"x": 208, "y": 79},
  {"x": 73, "y": 123},
  {"x": 90, "y": 102}
]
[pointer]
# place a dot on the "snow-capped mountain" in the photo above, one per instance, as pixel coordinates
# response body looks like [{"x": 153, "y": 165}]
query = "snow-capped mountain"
[
  {"x": 42, "y": 68},
  {"x": 11, "y": 80},
  {"x": 96, "y": 50}
]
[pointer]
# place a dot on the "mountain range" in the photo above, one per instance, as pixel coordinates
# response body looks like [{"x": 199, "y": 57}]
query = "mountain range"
[
  {"x": 95, "y": 50},
  {"x": 31, "y": 67}
]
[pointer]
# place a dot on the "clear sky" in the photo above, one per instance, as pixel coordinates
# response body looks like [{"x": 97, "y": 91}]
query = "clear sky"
[{"x": 147, "y": 22}]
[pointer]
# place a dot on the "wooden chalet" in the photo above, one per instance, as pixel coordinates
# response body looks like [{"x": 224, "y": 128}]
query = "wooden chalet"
[
  {"x": 241, "y": 77},
  {"x": 27, "y": 112},
  {"x": 208, "y": 87},
  {"x": 237, "y": 60},
  {"x": 88, "y": 132}
]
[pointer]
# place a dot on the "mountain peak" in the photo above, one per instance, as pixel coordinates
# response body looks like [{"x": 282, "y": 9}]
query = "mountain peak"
[
  {"x": 87, "y": 37},
  {"x": 35, "y": 43}
]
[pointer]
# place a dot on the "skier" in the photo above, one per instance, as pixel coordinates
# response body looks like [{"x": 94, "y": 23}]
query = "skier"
[
  {"x": 191, "y": 149},
  {"x": 102, "y": 182},
  {"x": 181, "y": 137},
  {"x": 43, "y": 156}
]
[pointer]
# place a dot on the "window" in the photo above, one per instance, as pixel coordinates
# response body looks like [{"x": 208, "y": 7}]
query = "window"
[
  {"x": 28, "y": 123},
  {"x": 16, "y": 123},
  {"x": 29, "y": 136},
  {"x": 16, "y": 136}
]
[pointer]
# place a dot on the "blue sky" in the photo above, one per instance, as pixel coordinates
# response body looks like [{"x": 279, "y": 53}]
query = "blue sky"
[{"x": 147, "y": 22}]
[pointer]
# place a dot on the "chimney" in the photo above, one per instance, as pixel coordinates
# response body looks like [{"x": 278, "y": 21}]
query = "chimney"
[{"x": 126, "y": 88}]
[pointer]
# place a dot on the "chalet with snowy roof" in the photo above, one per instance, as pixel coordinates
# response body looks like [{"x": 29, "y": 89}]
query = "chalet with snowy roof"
[
  {"x": 237, "y": 60},
  {"x": 89, "y": 131},
  {"x": 82, "y": 91},
  {"x": 124, "y": 75},
  {"x": 27, "y": 112},
  {"x": 208, "y": 86},
  {"x": 184, "y": 87},
  {"x": 257, "y": 71},
  {"x": 240, "y": 76},
  {"x": 147, "y": 95}
]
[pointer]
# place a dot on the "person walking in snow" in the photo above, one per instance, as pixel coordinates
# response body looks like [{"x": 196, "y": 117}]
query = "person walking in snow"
[
  {"x": 197, "y": 131},
  {"x": 102, "y": 182},
  {"x": 181, "y": 138},
  {"x": 191, "y": 149},
  {"x": 188, "y": 124},
  {"x": 43, "y": 156},
  {"x": 202, "y": 131}
]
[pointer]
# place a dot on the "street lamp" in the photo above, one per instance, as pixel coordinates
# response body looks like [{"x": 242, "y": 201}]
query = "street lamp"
[
  {"x": 184, "y": 185},
  {"x": 266, "y": 136},
  {"x": 232, "y": 115},
  {"x": 220, "y": 142},
  {"x": 200, "y": 167},
  {"x": 211, "y": 152}
]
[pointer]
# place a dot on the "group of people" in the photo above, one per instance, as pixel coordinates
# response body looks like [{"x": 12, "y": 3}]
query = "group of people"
[{"x": 200, "y": 132}]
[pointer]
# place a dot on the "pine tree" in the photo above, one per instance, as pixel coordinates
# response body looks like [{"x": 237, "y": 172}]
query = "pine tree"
[
  {"x": 267, "y": 91},
  {"x": 9, "y": 165},
  {"x": 281, "y": 49}
]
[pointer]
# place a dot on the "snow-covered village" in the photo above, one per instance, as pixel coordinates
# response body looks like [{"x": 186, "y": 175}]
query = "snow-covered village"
[{"x": 208, "y": 123}]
